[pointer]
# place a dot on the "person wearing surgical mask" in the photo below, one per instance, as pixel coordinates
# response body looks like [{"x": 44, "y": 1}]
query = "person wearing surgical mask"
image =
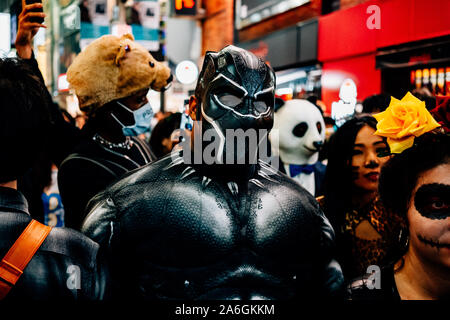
[{"x": 118, "y": 112}]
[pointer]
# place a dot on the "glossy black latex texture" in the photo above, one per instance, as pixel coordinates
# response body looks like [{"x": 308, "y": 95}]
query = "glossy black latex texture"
[{"x": 174, "y": 233}]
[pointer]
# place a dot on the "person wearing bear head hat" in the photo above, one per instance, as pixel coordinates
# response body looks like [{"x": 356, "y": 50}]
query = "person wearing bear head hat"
[
  {"x": 111, "y": 78},
  {"x": 182, "y": 229}
]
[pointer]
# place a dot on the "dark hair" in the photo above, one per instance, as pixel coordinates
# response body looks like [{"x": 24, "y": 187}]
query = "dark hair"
[
  {"x": 399, "y": 175},
  {"x": 376, "y": 103},
  {"x": 329, "y": 120},
  {"x": 338, "y": 176},
  {"x": 164, "y": 129},
  {"x": 24, "y": 118}
]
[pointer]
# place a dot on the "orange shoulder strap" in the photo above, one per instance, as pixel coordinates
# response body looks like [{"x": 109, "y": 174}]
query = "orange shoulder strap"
[{"x": 19, "y": 255}]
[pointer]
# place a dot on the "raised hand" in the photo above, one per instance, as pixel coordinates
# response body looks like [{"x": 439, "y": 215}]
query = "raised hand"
[{"x": 28, "y": 29}]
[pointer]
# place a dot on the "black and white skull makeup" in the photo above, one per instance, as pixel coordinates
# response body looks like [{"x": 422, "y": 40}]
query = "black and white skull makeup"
[
  {"x": 235, "y": 90},
  {"x": 428, "y": 215},
  {"x": 433, "y": 201}
]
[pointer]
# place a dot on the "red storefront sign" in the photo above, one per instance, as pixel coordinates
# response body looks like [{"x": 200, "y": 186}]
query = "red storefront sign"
[{"x": 348, "y": 39}]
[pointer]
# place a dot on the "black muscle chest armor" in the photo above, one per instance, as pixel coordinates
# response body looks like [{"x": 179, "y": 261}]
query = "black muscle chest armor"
[{"x": 174, "y": 233}]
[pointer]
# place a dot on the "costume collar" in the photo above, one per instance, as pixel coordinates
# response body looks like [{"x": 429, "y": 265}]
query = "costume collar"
[{"x": 13, "y": 199}]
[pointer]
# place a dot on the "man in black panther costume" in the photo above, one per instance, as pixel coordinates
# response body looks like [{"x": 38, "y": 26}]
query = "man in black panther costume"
[{"x": 176, "y": 230}]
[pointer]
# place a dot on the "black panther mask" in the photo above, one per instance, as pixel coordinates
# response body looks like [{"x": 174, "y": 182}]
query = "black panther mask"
[{"x": 235, "y": 90}]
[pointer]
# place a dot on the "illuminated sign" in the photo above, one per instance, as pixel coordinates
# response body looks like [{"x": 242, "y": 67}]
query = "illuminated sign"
[
  {"x": 185, "y": 7},
  {"x": 186, "y": 72},
  {"x": 63, "y": 84}
]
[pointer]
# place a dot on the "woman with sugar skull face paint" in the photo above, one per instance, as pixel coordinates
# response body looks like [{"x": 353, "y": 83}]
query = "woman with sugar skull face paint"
[{"x": 415, "y": 186}]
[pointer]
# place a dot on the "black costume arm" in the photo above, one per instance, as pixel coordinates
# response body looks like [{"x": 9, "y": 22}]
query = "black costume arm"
[
  {"x": 102, "y": 226},
  {"x": 332, "y": 284},
  {"x": 103, "y": 288}
]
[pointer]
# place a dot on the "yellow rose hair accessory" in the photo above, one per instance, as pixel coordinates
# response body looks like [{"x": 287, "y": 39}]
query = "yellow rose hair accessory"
[{"x": 404, "y": 120}]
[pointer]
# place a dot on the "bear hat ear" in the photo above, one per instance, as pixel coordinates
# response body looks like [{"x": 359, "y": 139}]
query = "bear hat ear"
[
  {"x": 127, "y": 36},
  {"x": 124, "y": 48}
]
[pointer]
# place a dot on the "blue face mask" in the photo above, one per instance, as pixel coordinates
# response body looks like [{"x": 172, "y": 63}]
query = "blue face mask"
[{"x": 142, "y": 117}]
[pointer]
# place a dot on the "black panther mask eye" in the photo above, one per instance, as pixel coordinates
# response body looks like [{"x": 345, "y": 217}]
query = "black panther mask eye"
[
  {"x": 228, "y": 100},
  {"x": 433, "y": 201},
  {"x": 236, "y": 98}
]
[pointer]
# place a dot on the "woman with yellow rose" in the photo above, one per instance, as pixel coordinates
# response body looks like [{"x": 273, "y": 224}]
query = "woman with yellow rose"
[
  {"x": 415, "y": 186},
  {"x": 364, "y": 230}
]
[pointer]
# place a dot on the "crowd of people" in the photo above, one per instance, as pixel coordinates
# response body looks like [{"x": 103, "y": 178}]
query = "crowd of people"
[{"x": 148, "y": 219}]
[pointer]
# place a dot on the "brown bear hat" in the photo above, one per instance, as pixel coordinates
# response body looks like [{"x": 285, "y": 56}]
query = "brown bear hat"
[{"x": 111, "y": 68}]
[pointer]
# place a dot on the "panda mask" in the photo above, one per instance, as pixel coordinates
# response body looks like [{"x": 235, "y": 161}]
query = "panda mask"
[{"x": 298, "y": 131}]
